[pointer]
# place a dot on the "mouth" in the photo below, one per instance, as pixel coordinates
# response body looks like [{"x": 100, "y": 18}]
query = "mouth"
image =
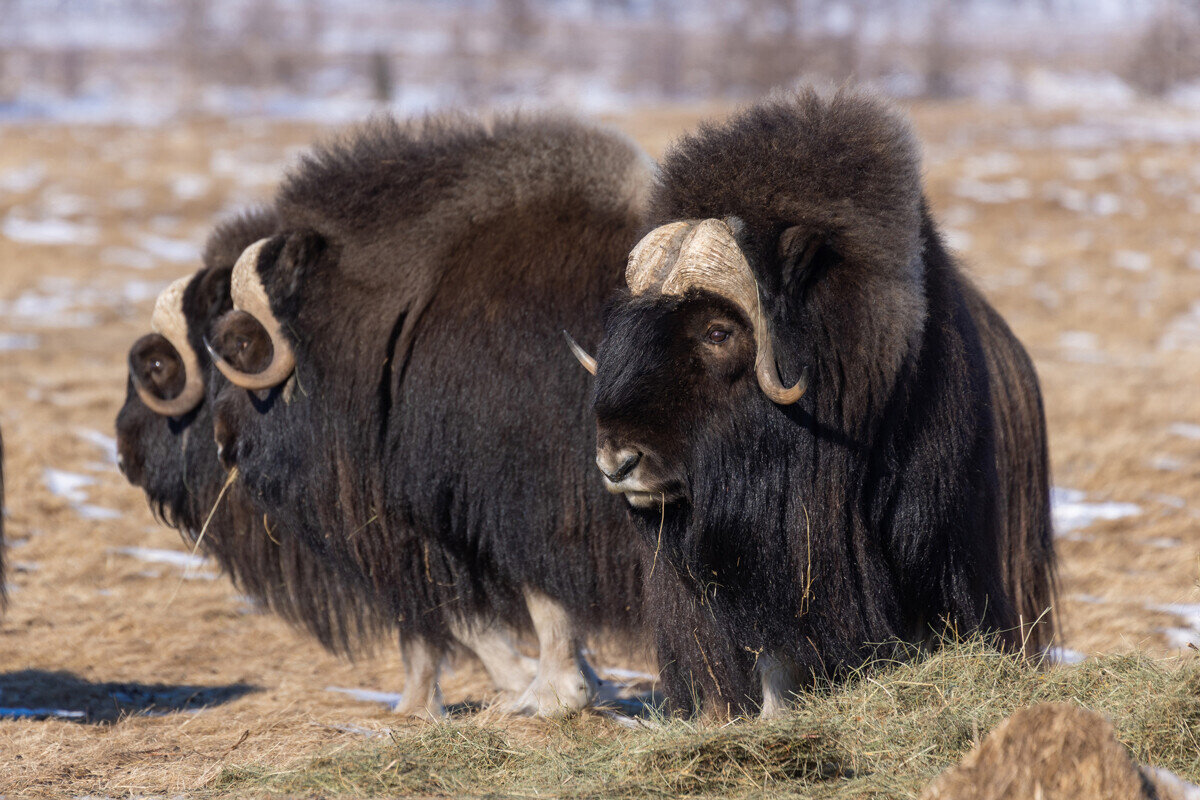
[{"x": 641, "y": 496}]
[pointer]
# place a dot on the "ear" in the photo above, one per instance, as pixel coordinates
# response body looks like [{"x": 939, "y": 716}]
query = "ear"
[
  {"x": 803, "y": 255},
  {"x": 212, "y": 292},
  {"x": 300, "y": 253}
]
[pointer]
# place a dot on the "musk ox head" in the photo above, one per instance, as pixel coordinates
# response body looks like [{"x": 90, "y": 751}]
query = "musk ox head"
[
  {"x": 164, "y": 429},
  {"x": 783, "y": 286}
]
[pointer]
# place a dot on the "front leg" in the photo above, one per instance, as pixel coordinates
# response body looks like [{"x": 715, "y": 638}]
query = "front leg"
[
  {"x": 779, "y": 685},
  {"x": 564, "y": 683},
  {"x": 422, "y": 696}
]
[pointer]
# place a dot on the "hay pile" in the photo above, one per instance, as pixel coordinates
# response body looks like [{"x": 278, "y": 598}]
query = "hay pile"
[{"x": 886, "y": 734}]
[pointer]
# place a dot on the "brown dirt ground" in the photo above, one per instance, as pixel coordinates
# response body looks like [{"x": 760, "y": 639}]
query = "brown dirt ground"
[{"x": 130, "y": 641}]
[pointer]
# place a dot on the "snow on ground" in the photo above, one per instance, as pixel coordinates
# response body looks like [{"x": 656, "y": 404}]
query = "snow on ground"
[
  {"x": 176, "y": 558},
  {"x": 1189, "y": 634},
  {"x": 1072, "y": 512},
  {"x": 70, "y": 486}
]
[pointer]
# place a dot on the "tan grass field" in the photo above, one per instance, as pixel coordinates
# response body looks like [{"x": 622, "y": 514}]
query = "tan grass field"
[{"x": 1082, "y": 227}]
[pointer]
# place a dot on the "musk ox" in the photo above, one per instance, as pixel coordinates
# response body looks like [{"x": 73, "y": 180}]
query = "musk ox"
[
  {"x": 396, "y": 390},
  {"x": 165, "y": 445},
  {"x": 824, "y": 432}
]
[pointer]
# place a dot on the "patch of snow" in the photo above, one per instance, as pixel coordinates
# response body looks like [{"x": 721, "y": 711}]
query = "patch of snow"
[
  {"x": 47, "y": 231},
  {"x": 1091, "y": 599},
  {"x": 992, "y": 193},
  {"x": 1072, "y": 513},
  {"x": 1131, "y": 260},
  {"x": 1164, "y": 542},
  {"x": 179, "y": 251},
  {"x": 105, "y": 442},
  {"x": 17, "y": 341},
  {"x": 23, "y": 179},
  {"x": 67, "y": 485},
  {"x": 94, "y": 512},
  {"x": 1167, "y": 463},
  {"x": 176, "y": 558},
  {"x": 389, "y": 699},
  {"x": 1187, "y": 430},
  {"x": 1190, "y": 614},
  {"x": 1064, "y": 655},
  {"x": 8, "y": 712},
  {"x": 190, "y": 187},
  {"x": 627, "y": 674}
]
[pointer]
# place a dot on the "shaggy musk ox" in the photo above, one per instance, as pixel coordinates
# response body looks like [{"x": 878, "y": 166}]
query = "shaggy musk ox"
[
  {"x": 397, "y": 391},
  {"x": 165, "y": 442},
  {"x": 826, "y": 434}
]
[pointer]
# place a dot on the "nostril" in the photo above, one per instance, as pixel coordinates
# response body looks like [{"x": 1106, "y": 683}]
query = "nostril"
[{"x": 629, "y": 460}]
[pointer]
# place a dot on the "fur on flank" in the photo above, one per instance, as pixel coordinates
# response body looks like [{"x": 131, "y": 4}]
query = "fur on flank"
[
  {"x": 907, "y": 489},
  {"x": 424, "y": 273},
  {"x": 174, "y": 461}
]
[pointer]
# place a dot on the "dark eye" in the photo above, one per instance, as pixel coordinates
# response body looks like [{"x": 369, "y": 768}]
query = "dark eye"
[
  {"x": 243, "y": 343},
  {"x": 717, "y": 335},
  {"x": 156, "y": 365}
]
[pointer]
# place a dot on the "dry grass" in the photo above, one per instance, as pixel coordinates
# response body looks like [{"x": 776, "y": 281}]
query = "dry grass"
[
  {"x": 886, "y": 734},
  {"x": 89, "y": 628}
]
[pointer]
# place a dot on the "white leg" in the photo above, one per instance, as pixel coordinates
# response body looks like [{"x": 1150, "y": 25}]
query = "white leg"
[
  {"x": 422, "y": 696},
  {"x": 779, "y": 686},
  {"x": 510, "y": 670},
  {"x": 564, "y": 682}
]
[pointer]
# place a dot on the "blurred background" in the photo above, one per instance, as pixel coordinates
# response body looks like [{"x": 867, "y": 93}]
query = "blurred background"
[
  {"x": 1061, "y": 155},
  {"x": 147, "y": 61}
]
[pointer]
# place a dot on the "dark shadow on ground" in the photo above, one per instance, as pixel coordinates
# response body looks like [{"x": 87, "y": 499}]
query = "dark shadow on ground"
[{"x": 42, "y": 694}]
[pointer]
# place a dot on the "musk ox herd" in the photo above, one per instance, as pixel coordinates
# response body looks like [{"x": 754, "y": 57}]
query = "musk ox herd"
[{"x": 800, "y": 433}]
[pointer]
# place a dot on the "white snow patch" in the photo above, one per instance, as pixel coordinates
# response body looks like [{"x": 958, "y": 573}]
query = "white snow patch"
[
  {"x": 1064, "y": 655},
  {"x": 957, "y": 240},
  {"x": 179, "y": 251},
  {"x": 1190, "y": 614},
  {"x": 622, "y": 674},
  {"x": 8, "y": 712},
  {"x": 176, "y": 558},
  {"x": 67, "y": 485},
  {"x": 94, "y": 512},
  {"x": 389, "y": 699},
  {"x": 1131, "y": 260},
  {"x": 106, "y": 443},
  {"x": 47, "y": 231},
  {"x": 993, "y": 192},
  {"x": 1187, "y": 430},
  {"x": 1072, "y": 513},
  {"x": 190, "y": 187},
  {"x": 17, "y": 341},
  {"x": 23, "y": 179},
  {"x": 1164, "y": 542},
  {"x": 1167, "y": 463}
]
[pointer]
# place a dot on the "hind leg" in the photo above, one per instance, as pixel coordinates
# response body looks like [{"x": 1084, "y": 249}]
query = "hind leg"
[
  {"x": 564, "y": 683},
  {"x": 494, "y": 645},
  {"x": 422, "y": 696}
]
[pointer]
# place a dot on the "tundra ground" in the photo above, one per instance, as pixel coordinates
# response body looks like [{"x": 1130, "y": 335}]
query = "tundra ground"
[{"x": 1080, "y": 226}]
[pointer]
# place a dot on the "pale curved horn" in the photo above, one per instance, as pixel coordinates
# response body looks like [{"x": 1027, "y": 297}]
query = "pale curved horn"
[
  {"x": 246, "y": 289},
  {"x": 709, "y": 258},
  {"x": 653, "y": 255},
  {"x": 169, "y": 322},
  {"x": 586, "y": 360}
]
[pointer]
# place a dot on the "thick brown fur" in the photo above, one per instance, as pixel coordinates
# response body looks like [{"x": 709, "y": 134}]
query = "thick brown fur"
[
  {"x": 423, "y": 273},
  {"x": 908, "y": 488}
]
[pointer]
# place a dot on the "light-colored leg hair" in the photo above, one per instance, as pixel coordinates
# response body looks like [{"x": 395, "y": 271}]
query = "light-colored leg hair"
[
  {"x": 494, "y": 645},
  {"x": 779, "y": 686},
  {"x": 565, "y": 683},
  {"x": 422, "y": 696}
]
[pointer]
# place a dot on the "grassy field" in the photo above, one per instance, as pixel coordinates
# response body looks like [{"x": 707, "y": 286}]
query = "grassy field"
[{"x": 1079, "y": 225}]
